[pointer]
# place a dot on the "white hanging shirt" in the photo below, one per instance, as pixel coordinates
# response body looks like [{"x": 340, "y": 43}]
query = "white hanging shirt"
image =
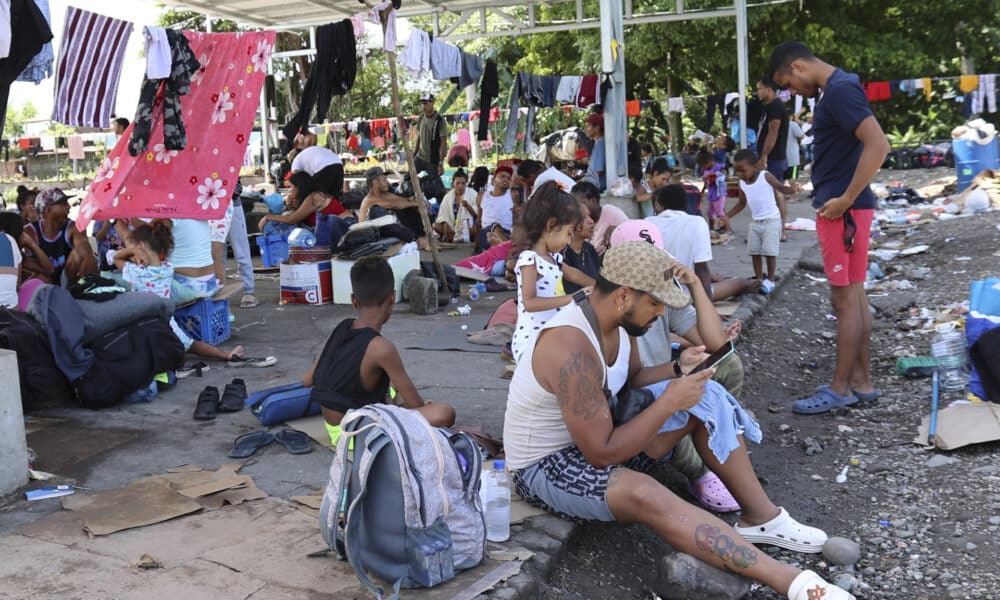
[{"x": 159, "y": 58}]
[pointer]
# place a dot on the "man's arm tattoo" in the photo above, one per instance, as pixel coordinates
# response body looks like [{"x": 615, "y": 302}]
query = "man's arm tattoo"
[
  {"x": 733, "y": 555},
  {"x": 580, "y": 386}
]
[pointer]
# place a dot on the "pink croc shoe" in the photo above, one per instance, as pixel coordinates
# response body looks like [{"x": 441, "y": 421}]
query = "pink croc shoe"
[{"x": 713, "y": 494}]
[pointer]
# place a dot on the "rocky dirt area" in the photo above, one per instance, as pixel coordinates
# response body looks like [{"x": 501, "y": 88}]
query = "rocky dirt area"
[{"x": 926, "y": 521}]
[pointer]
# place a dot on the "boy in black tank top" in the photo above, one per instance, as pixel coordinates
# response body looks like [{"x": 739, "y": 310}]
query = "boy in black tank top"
[{"x": 357, "y": 363}]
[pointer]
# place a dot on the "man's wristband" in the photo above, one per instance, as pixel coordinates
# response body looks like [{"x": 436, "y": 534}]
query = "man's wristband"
[{"x": 677, "y": 368}]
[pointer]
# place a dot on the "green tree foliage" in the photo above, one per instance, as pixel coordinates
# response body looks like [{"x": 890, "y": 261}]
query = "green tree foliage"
[
  {"x": 14, "y": 125},
  {"x": 878, "y": 39}
]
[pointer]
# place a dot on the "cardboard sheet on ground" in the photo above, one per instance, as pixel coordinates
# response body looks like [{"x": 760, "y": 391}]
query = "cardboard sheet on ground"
[
  {"x": 144, "y": 502},
  {"x": 962, "y": 425},
  {"x": 314, "y": 427},
  {"x": 452, "y": 337}
]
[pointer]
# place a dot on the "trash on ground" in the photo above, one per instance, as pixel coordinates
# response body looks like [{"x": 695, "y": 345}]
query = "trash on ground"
[
  {"x": 49, "y": 492},
  {"x": 148, "y": 562}
]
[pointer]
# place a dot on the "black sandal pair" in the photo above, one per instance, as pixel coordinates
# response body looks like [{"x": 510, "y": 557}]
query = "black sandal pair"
[
  {"x": 247, "y": 444},
  {"x": 209, "y": 402}
]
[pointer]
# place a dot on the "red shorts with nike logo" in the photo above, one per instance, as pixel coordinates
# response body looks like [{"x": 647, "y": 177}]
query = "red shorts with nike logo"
[{"x": 842, "y": 267}]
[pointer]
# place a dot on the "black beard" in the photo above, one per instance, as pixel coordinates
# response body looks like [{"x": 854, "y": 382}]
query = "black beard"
[{"x": 635, "y": 330}]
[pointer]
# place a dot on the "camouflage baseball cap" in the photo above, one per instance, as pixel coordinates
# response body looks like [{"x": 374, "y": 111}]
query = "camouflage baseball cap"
[
  {"x": 50, "y": 197},
  {"x": 643, "y": 267}
]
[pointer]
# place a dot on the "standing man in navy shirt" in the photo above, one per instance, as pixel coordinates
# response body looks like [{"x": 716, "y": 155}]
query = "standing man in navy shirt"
[{"x": 848, "y": 149}]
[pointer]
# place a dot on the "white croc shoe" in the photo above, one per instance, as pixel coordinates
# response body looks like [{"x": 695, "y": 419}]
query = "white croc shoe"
[
  {"x": 785, "y": 532},
  {"x": 810, "y": 586}
]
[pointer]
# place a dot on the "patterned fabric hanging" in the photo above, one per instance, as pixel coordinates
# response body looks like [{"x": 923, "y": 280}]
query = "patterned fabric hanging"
[{"x": 197, "y": 182}]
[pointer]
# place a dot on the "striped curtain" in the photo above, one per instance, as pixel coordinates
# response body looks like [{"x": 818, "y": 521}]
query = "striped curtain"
[{"x": 89, "y": 67}]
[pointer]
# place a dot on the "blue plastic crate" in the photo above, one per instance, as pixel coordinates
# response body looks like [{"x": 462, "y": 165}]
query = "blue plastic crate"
[
  {"x": 273, "y": 249},
  {"x": 206, "y": 320}
]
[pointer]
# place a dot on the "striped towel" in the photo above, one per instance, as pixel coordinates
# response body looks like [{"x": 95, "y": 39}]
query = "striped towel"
[{"x": 89, "y": 67}]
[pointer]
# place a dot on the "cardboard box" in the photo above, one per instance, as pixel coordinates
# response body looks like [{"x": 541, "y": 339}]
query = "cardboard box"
[
  {"x": 309, "y": 283},
  {"x": 401, "y": 265},
  {"x": 962, "y": 425}
]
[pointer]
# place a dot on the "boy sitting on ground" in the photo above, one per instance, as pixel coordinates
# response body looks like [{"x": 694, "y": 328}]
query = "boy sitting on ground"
[{"x": 357, "y": 363}]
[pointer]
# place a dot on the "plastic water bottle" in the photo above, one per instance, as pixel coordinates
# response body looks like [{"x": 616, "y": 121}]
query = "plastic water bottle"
[
  {"x": 948, "y": 349},
  {"x": 473, "y": 293},
  {"x": 300, "y": 237},
  {"x": 498, "y": 503}
]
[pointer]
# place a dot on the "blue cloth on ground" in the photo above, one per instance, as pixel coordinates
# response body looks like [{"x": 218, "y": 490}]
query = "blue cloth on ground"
[{"x": 722, "y": 415}]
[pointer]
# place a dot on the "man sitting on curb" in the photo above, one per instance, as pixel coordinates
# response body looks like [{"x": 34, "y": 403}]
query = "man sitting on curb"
[
  {"x": 567, "y": 455},
  {"x": 357, "y": 364},
  {"x": 686, "y": 238},
  {"x": 698, "y": 324}
]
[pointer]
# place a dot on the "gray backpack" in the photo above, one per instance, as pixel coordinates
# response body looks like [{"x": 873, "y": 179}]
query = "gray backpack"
[{"x": 404, "y": 505}]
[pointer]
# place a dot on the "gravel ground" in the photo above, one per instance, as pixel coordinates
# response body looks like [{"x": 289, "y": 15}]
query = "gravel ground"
[{"x": 926, "y": 530}]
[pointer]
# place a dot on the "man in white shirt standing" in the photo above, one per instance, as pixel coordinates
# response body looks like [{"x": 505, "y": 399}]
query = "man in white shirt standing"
[{"x": 457, "y": 216}]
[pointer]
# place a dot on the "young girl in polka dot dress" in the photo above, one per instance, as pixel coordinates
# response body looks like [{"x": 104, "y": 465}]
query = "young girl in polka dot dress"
[{"x": 547, "y": 223}]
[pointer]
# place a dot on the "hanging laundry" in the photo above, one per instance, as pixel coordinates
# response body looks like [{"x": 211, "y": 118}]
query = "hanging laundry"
[
  {"x": 988, "y": 85},
  {"x": 29, "y": 33},
  {"x": 158, "y": 56},
  {"x": 40, "y": 66},
  {"x": 633, "y": 108},
  {"x": 166, "y": 94},
  {"x": 489, "y": 89},
  {"x": 333, "y": 74},
  {"x": 926, "y": 85},
  {"x": 446, "y": 60},
  {"x": 218, "y": 113},
  {"x": 47, "y": 142},
  {"x": 87, "y": 81},
  {"x": 675, "y": 105},
  {"x": 878, "y": 90},
  {"x": 472, "y": 70},
  {"x": 5, "y": 32},
  {"x": 968, "y": 83},
  {"x": 588, "y": 92},
  {"x": 536, "y": 91},
  {"x": 75, "y": 145},
  {"x": 375, "y": 14},
  {"x": 715, "y": 102},
  {"x": 984, "y": 95},
  {"x": 416, "y": 56},
  {"x": 569, "y": 89},
  {"x": 909, "y": 86}
]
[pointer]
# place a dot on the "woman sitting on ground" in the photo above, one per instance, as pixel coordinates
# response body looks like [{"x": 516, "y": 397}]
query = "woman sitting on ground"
[{"x": 308, "y": 201}]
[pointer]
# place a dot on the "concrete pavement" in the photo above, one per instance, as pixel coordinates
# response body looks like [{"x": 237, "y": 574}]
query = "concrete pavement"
[{"x": 110, "y": 448}]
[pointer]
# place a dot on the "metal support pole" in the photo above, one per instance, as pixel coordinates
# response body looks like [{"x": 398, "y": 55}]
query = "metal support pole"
[
  {"x": 741, "y": 65},
  {"x": 470, "y": 104},
  {"x": 613, "y": 65}
]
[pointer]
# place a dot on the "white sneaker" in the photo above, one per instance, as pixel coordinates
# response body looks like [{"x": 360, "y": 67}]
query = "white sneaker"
[
  {"x": 767, "y": 286},
  {"x": 810, "y": 586}
]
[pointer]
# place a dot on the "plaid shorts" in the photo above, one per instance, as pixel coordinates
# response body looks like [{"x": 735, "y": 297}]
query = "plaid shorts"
[{"x": 565, "y": 483}]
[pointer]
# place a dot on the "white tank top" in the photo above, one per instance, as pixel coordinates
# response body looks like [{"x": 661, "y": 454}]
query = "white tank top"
[
  {"x": 760, "y": 198},
  {"x": 497, "y": 209},
  {"x": 533, "y": 423}
]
